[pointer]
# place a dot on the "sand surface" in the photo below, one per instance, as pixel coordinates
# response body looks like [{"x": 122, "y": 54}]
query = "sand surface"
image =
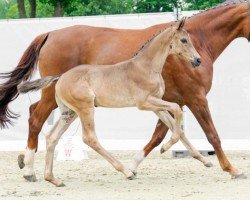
[{"x": 159, "y": 177}]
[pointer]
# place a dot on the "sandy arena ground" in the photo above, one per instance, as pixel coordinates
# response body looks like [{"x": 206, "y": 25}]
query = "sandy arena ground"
[{"x": 159, "y": 177}]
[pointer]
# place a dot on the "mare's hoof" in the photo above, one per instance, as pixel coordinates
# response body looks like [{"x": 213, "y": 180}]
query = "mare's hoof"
[
  {"x": 20, "y": 161},
  {"x": 30, "y": 178},
  {"x": 209, "y": 164},
  {"x": 239, "y": 176},
  {"x": 162, "y": 150},
  {"x": 133, "y": 177}
]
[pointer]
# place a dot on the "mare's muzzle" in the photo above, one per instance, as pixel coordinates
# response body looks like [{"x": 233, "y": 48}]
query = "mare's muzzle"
[{"x": 196, "y": 62}]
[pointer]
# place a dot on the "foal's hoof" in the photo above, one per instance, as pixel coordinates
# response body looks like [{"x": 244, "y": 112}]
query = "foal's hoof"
[
  {"x": 134, "y": 172},
  {"x": 239, "y": 176},
  {"x": 209, "y": 164},
  {"x": 61, "y": 185},
  {"x": 162, "y": 150},
  {"x": 133, "y": 177},
  {"x": 20, "y": 161},
  {"x": 30, "y": 178}
]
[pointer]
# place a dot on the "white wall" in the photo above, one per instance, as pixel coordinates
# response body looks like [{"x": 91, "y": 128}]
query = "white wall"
[{"x": 229, "y": 98}]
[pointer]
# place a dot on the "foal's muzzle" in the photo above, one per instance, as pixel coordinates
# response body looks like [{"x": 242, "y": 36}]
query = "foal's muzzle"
[{"x": 196, "y": 62}]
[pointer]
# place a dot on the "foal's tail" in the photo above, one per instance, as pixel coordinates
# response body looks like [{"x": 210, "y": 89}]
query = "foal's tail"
[
  {"x": 23, "y": 71},
  {"x": 37, "y": 84}
]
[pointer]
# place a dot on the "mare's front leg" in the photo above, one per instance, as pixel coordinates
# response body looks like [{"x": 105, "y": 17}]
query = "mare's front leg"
[
  {"x": 52, "y": 139},
  {"x": 199, "y": 108}
]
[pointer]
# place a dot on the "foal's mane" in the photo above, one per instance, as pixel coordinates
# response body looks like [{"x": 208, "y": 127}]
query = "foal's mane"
[{"x": 147, "y": 42}]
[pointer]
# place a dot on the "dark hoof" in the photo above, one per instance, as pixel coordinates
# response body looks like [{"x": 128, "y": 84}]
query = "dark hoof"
[
  {"x": 133, "y": 177},
  {"x": 134, "y": 172},
  {"x": 209, "y": 164},
  {"x": 239, "y": 176},
  {"x": 61, "y": 185},
  {"x": 30, "y": 178},
  {"x": 20, "y": 161},
  {"x": 162, "y": 150}
]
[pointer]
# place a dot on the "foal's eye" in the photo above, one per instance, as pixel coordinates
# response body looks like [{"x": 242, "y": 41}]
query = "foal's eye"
[{"x": 184, "y": 40}]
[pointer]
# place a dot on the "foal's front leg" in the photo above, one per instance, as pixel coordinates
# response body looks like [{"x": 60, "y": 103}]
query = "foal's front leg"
[
  {"x": 156, "y": 105},
  {"x": 159, "y": 106}
]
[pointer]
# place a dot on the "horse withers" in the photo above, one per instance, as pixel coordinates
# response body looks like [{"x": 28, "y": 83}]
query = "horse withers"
[{"x": 136, "y": 82}]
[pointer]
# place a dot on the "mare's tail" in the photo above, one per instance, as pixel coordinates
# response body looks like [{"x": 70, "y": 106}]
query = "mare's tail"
[{"x": 23, "y": 71}]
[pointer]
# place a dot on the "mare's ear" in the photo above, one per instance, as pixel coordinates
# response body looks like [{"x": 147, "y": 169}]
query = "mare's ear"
[{"x": 181, "y": 23}]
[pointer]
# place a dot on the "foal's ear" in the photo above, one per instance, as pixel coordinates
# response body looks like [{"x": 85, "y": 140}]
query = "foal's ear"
[{"x": 181, "y": 23}]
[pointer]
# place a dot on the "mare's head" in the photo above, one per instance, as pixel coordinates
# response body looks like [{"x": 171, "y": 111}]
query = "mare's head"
[{"x": 182, "y": 46}]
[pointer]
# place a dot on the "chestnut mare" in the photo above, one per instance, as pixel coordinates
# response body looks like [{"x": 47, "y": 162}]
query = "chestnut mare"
[
  {"x": 211, "y": 32},
  {"x": 136, "y": 82}
]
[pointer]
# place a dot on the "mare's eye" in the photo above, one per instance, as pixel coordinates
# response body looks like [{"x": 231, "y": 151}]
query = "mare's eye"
[{"x": 184, "y": 40}]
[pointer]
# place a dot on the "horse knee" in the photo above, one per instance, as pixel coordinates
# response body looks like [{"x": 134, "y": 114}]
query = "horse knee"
[
  {"x": 90, "y": 141},
  {"x": 175, "y": 139},
  {"x": 214, "y": 140}
]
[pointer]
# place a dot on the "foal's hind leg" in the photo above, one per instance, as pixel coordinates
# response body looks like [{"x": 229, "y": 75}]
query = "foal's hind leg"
[
  {"x": 66, "y": 118},
  {"x": 89, "y": 137}
]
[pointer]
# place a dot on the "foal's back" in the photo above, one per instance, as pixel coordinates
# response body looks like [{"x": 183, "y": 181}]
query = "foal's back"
[{"x": 108, "y": 85}]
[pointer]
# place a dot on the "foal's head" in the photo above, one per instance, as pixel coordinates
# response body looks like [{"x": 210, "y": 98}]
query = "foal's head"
[{"x": 181, "y": 45}]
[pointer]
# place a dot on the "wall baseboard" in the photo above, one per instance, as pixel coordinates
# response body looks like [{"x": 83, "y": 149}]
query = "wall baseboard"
[{"x": 109, "y": 144}]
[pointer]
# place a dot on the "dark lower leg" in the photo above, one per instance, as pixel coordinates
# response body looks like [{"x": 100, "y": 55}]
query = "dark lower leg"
[{"x": 199, "y": 108}]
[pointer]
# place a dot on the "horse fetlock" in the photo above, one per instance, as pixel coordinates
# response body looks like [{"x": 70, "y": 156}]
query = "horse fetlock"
[
  {"x": 119, "y": 167},
  {"x": 30, "y": 178},
  {"x": 50, "y": 178}
]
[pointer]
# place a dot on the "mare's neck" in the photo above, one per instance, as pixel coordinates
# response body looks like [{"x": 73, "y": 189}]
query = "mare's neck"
[
  {"x": 156, "y": 51},
  {"x": 215, "y": 29}
]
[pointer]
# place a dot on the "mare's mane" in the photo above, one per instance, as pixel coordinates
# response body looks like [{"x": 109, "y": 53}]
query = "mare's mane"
[{"x": 225, "y": 4}]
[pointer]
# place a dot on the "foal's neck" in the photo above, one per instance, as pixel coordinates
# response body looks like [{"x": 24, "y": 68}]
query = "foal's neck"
[
  {"x": 155, "y": 52},
  {"x": 220, "y": 26}
]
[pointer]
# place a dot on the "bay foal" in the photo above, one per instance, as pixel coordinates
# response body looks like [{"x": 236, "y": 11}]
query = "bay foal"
[{"x": 136, "y": 82}]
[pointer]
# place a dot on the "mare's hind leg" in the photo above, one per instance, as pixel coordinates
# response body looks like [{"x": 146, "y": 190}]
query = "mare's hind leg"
[
  {"x": 39, "y": 113},
  {"x": 86, "y": 115},
  {"x": 66, "y": 118}
]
